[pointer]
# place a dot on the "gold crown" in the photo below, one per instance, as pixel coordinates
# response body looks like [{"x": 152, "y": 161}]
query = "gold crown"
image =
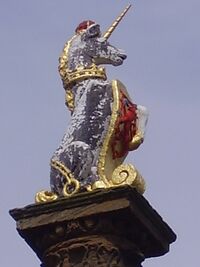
[{"x": 82, "y": 73}]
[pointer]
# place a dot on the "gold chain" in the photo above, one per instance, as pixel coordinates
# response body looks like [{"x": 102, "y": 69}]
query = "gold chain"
[{"x": 70, "y": 179}]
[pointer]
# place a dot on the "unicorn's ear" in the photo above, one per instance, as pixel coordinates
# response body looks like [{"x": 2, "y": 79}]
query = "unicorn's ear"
[{"x": 93, "y": 31}]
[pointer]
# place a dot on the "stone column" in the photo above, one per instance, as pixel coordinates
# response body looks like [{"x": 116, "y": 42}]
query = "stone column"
[{"x": 112, "y": 228}]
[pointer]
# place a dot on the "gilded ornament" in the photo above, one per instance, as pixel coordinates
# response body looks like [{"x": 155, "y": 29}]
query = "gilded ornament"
[
  {"x": 126, "y": 174},
  {"x": 69, "y": 100},
  {"x": 137, "y": 140},
  {"x": 45, "y": 196},
  {"x": 71, "y": 185}
]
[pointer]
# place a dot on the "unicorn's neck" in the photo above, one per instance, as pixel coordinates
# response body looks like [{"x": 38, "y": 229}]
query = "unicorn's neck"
[
  {"x": 77, "y": 56},
  {"x": 79, "y": 63}
]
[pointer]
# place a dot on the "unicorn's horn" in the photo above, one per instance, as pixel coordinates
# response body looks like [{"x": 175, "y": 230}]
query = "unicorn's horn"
[{"x": 108, "y": 33}]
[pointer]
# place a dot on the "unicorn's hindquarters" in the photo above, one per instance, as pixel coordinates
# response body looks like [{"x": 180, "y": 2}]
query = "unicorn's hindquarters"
[{"x": 77, "y": 156}]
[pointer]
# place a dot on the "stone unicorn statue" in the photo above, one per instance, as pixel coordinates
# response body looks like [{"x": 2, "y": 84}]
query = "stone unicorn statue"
[{"x": 105, "y": 124}]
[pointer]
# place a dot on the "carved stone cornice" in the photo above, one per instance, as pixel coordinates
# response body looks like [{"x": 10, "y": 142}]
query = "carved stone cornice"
[{"x": 103, "y": 228}]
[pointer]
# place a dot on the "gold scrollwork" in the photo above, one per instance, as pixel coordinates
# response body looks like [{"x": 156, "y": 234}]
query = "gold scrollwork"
[
  {"x": 45, "y": 196},
  {"x": 126, "y": 174}
]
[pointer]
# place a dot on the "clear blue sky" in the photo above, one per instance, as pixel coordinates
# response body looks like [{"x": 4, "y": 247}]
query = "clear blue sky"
[{"x": 162, "y": 41}]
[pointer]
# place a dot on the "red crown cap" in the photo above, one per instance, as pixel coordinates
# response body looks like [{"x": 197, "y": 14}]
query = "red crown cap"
[{"x": 84, "y": 25}]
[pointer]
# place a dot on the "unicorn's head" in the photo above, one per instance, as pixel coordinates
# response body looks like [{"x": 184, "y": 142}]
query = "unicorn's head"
[
  {"x": 88, "y": 47},
  {"x": 86, "y": 50}
]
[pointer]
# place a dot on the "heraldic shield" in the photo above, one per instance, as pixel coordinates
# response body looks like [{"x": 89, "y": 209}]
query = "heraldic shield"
[{"x": 121, "y": 137}]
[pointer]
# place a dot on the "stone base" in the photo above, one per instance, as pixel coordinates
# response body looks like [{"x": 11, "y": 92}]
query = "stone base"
[{"x": 104, "y": 228}]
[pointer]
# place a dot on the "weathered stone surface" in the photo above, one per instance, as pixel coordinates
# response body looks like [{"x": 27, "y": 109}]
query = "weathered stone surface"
[{"x": 104, "y": 228}]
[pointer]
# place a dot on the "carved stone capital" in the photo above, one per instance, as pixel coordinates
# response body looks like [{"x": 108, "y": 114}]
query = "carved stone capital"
[{"x": 91, "y": 251}]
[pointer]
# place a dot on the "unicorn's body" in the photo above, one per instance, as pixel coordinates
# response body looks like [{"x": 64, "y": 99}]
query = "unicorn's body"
[
  {"x": 105, "y": 123},
  {"x": 75, "y": 164}
]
